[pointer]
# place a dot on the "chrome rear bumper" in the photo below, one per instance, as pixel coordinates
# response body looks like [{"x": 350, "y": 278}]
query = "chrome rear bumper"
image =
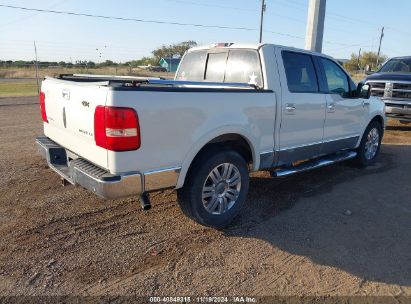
[{"x": 81, "y": 172}]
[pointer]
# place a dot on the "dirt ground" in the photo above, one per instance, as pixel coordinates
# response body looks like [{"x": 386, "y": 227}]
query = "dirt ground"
[{"x": 339, "y": 230}]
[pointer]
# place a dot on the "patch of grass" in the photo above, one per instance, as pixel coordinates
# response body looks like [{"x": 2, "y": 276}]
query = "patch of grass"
[{"x": 18, "y": 88}]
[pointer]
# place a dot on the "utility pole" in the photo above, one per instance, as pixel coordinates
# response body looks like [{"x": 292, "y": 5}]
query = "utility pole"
[
  {"x": 263, "y": 7},
  {"x": 37, "y": 68},
  {"x": 379, "y": 47},
  {"x": 358, "y": 60},
  {"x": 315, "y": 25}
]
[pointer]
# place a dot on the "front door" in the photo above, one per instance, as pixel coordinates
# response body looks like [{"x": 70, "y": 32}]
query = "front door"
[
  {"x": 303, "y": 108},
  {"x": 345, "y": 112}
]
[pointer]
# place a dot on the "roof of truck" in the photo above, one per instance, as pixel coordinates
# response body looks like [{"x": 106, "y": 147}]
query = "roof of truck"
[
  {"x": 230, "y": 46},
  {"x": 401, "y": 57},
  {"x": 252, "y": 46}
]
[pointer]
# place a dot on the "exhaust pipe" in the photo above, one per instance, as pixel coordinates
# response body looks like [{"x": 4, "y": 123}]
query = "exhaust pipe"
[
  {"x": 64, "y": 182},
  {"x": 145, "y": 202}
]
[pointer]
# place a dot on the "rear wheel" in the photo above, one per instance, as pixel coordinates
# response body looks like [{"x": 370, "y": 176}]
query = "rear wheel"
[
  {"x": 370, "y": 144},
  {"x": 216, "y": 188}
]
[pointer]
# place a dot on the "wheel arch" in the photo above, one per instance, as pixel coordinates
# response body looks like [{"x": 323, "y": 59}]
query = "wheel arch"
[
  {"x": 237, "y": 140},
  {"x": 379, "y": 118}
]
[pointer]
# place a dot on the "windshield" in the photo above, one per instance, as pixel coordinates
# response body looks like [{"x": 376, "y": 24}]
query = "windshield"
[{"x": 397, "y": 65}]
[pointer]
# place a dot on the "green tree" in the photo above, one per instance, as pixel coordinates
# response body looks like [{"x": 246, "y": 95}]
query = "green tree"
[
  {"x": 367, "y": 59},
  {"x": 143, "y": 61},
  {"x": 107, "y": 63},
  {"x": 173, "y": 50}
]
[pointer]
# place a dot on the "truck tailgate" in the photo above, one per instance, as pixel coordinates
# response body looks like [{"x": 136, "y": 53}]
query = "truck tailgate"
[{"x": 70, "y": 111}]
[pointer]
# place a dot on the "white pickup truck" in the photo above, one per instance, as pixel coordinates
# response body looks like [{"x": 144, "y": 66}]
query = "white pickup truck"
[{"x": 232, "y": 109}]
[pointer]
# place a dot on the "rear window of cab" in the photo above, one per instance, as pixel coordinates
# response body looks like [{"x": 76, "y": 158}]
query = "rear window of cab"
[{"x": 241, "y": 66}]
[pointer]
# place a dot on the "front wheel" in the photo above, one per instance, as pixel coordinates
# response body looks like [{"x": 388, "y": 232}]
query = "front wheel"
[
  {"x": 216, "y": 188},
  {"x": 370, "y": 144}
]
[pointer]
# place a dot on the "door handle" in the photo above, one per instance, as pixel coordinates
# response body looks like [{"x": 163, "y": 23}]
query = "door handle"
[
  {"x": 366, "y": 102},
  {"x": 331, "y": 107},
  {"x": 290, "y": 108}
]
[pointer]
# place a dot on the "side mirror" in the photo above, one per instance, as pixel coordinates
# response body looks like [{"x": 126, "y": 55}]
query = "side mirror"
[{"x": 363, "y": 91}]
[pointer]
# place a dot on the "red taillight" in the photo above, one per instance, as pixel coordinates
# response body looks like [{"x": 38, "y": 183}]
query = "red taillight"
[
  {"x": 116, "y": 129},
  {"x": 43, "y": 106}
]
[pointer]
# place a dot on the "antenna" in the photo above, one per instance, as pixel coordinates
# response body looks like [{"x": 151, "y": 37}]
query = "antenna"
[{"x": 37, "y": 68}]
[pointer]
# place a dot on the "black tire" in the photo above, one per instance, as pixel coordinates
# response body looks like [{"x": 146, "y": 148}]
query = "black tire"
[
  {"x": 362, "y": 158},
  {"x": 190, "y": 196}
]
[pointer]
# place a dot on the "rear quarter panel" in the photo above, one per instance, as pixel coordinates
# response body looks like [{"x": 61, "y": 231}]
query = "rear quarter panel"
[{"x": 174, "y": 126}]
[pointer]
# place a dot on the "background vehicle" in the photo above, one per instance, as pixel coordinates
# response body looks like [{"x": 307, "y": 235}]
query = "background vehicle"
[
  {"x": 233, "y": 108},
  {"x": 392, "y": 83},
  {"x": 157, "y": 69}
]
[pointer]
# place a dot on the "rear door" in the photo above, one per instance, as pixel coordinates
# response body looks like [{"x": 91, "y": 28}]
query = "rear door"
[
  {"x": 303, "y": 107},
  {"x": 345, "y": 113}
]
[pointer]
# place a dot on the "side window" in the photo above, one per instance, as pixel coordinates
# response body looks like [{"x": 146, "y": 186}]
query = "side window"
[
  {"x": 337, "y": 80},
  {"x": 192, "y": 67},
  {"x": 244, "y": 66},
  {"x": 300, "y": 72},
  {"x": 216, "y": 65}
]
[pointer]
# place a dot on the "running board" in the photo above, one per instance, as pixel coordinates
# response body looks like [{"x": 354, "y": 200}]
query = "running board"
[{"x": 316, "y": 163}]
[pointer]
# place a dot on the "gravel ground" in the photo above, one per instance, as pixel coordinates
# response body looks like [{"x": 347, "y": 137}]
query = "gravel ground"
[{"x": 338, "y": 230}]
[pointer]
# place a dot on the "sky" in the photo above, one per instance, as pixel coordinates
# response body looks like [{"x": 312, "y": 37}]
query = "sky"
[{"x": 349, "y": 26}]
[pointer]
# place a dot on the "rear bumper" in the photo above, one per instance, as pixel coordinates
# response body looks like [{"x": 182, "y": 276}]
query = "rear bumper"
[{"x": 79, "y": 171}]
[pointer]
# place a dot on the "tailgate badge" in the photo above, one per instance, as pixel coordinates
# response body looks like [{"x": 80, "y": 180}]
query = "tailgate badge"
[
  {"x": 85, "y": 104},
  {"x": 66, "y": 94}
]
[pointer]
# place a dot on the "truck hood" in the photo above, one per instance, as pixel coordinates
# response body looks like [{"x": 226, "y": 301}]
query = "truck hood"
[{"x": 389, "y": 77}]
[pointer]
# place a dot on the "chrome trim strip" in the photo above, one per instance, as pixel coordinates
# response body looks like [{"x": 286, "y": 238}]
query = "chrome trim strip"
[
  {"x": 201, "y": 83},
  {"x": 338, "y": 145},
  {"x": 398, "y": 101},
  {"x": 390, "y": 81},
  {"x": 161, "y": 178},
  {"x": 319, "y": 142}
]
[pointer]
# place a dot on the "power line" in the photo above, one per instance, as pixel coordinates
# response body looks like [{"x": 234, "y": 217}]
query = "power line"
[
  {"x": 32, "y": 15},
  {"x": 165, "y": 22},
  {"x": 252, "y": 10},
  {"x": 210, "y": 5},
  {"x": 152, "y": 21},
  {"x": 126, "y": 19}
]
